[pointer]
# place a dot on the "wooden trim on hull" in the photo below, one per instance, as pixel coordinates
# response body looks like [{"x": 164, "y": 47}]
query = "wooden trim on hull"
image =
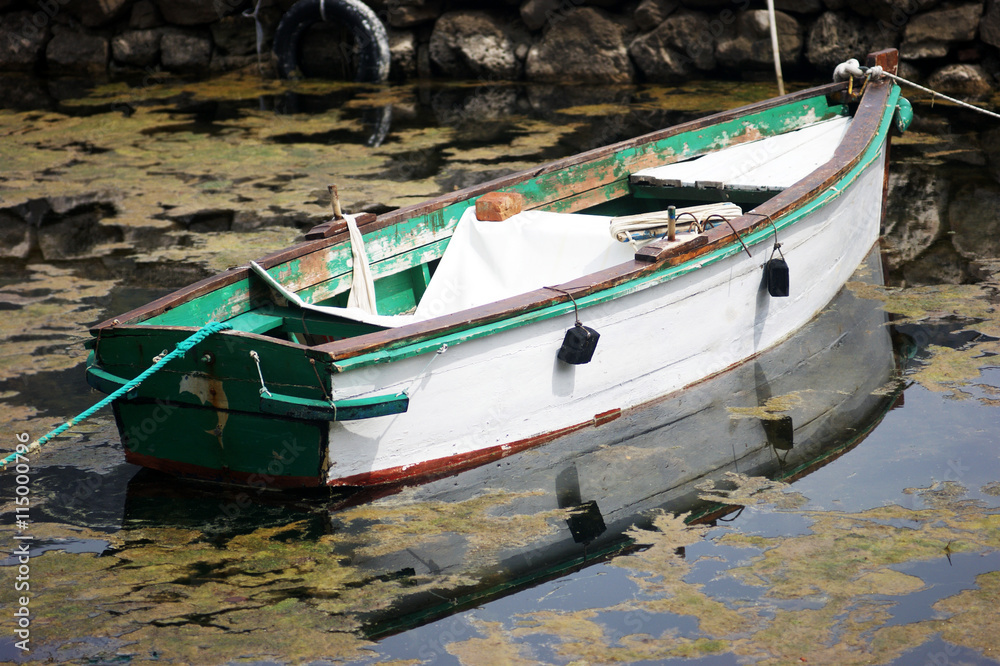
[
  {"x": 389, "y": 470},
  {"x": 250, "y": 479},
  {"x": 430, "y": 469}
]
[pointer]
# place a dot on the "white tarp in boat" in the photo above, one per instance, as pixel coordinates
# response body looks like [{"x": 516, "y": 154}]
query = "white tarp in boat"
[
  {"x": 776, "y": 162},
  {"x": 352, "y": 313},
  {"x": 490, "y": 261}
]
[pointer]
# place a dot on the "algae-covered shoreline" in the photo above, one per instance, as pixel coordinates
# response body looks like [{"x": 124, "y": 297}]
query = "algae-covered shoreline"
[{"x": 886, "y": 553}]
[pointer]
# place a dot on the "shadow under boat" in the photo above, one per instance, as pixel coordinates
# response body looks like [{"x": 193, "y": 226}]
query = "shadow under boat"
[{"x": 787, "y": 412}]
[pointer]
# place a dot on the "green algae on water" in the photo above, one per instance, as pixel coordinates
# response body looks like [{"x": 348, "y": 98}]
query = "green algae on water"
[
  {"x": 772, "y": 409},
  {"x": 170, "y": 594},
  {"x": 845, "y": 568},
  {"x": 946, "y": 368}
]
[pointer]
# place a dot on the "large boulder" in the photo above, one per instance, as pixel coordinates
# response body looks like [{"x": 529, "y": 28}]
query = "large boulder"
[
  {"x": 836, "y": 37},
  {"x": 237, "y": 36},
  {"x": 930, "y": 35},
  {"x": 583, "y": 46},
  {"x": 990, "y": 141},
  {"x": 989, "y": 24},
  {"x": 403, "y": 50},
  {"x": 651, "y": 13},
  {"x": 185, "y": 50},
  {"x": 676, "y": 49},
  {"x": 933, "y": 48},
  {"x": 476, "y": 44},
  {"x": 22, "y": 42},
  {"x": 892, "y": 13},
  {"x": 952, "y": 24},
  {"x": 537, "y": 13},
  {"x": 410, "y": 13},
  {"x": 144, "y": 15},
  {"x": 708, "y": 4},
  {"x": 961, "y": 80},
  {"x": 750, "y": 44},
  {"x": 799, "y": 6},
  {"x": 74, "y": 51},
  {"x": 137, "y": 48},
  {"x": 196, "y": 12},
  {"x": 94, "y": 13}
]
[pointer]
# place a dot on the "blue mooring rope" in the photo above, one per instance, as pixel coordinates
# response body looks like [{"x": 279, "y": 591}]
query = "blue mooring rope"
[{"x": 182, "y": 347}]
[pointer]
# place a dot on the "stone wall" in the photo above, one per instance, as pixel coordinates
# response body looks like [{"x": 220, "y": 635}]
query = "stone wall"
[{"x": 951, "y": 46}]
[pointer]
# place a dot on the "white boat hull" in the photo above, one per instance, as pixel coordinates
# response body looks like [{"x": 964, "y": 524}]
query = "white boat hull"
[{"x": 493, "y": 395}]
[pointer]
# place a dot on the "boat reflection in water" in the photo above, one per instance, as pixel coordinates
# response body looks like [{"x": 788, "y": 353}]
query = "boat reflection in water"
[
  {"x": 546, "y": 511},
  {"x": 789, "y": 411}
]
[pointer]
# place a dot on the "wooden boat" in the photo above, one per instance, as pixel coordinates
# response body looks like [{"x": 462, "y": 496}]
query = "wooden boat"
[
  {"x": 481, "y": 341},
  {"x": 792, "y": 410}
]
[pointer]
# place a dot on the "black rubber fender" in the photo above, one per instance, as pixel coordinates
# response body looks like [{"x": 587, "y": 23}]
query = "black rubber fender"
[{"x": 369, "y": 34}]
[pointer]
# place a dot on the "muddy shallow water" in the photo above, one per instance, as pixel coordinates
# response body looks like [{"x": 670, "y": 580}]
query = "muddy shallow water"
[{"x": 870, "y": 527}]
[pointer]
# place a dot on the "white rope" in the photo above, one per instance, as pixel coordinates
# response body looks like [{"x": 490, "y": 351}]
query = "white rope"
[
  {"x": 959, "y": 102},
  {"x": 655, "y": 224},
  {"x": 852, "y": 68},
  {"x": 263, "y": 389},
  {"x": 847, "y": 69},
  {"x": 255, "y": 15}
]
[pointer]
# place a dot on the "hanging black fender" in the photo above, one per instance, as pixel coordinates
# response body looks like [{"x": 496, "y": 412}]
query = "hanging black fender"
[{"x": 369, "y": 33}]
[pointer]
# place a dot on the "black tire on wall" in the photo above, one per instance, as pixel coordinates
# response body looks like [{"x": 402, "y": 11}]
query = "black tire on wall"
[{"x": 369, "y": 34}]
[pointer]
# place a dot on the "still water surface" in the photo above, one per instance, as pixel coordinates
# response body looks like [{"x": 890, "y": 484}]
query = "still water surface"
[{"x": 864, "y": 452}]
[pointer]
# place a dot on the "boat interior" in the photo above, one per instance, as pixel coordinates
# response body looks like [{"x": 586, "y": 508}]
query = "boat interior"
[{"x": 468, "y": 262}]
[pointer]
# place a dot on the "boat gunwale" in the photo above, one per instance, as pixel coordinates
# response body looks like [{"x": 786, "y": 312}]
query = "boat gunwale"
[{"x": 871, "y": 111}]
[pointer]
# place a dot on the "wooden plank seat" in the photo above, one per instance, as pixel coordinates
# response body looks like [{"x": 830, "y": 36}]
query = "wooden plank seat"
[{"x": 748, "y": 172}]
